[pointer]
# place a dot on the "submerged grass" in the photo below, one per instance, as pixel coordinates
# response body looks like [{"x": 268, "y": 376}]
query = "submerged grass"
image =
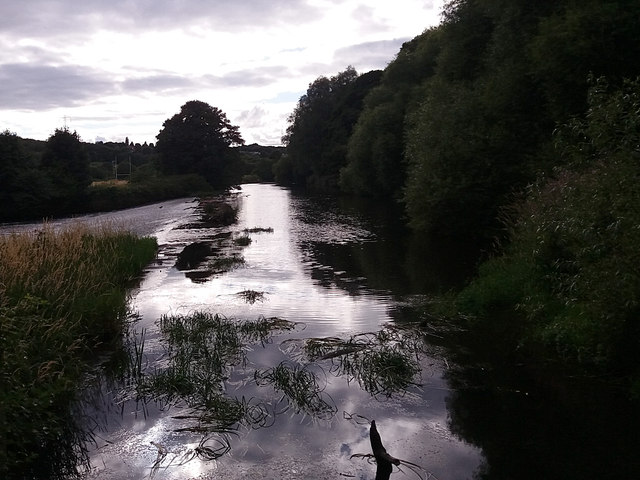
[
  {"x": 203, "y": 349},
  {"x": 383, "y": 363},
  {"x": 225, "y": 263},
  {"x": 300, "y": 387},
  {"x": 62, "y": 293}
]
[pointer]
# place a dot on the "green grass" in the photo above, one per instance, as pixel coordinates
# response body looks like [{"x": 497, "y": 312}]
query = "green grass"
[{"x": 62, "y": 294}]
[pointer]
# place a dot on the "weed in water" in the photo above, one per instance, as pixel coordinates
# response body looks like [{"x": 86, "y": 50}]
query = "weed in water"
[
  {"x": 300, "y": 388},
  {"x": 258, "y": 230},
  {"x": 225, "y": 263},
  {"x": 251, "y": 296},
  {"x": 202, "y": 351},
  {"x": 242, "y": 241},
  {"x": 384, "y": 362}
]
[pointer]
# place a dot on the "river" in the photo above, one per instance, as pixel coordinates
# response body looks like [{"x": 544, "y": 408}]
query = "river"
[{"x": 343, "y": 279}]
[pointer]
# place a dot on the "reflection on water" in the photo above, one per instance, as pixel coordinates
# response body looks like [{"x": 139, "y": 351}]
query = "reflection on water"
[
  {"x": 281, "y": 406},
  {"x": 304, "y": 339}
]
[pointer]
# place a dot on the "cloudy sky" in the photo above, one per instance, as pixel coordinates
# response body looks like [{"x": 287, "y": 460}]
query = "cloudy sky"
[{"x": 111, "y": 69}]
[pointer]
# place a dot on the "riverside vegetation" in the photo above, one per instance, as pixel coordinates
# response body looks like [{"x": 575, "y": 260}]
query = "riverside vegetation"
[
  {"x": 63, "y": 294},
  {"x": 514, "y": 125}
]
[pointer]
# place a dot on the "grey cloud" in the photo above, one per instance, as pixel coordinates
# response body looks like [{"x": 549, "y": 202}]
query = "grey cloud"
[
  {"x": 155, "y": 83},
  {"x": 370, "y": 55},
  {"x": 253, "y": 118},
  {"x": 40, "y": 18},
  {"x": 39, "y": 87},
  {"x": 254, "y": 77}
]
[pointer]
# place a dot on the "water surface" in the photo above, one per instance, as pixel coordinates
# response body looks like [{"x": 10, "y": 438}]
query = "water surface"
[
  {"x": 286, "y": 262},
  {"x": 331, "y": 272}
]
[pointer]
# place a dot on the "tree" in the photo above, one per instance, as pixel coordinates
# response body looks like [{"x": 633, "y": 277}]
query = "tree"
[
  {"x": 65, "y": 163},
  {"x": 374, "y": 151},
  {"x": 198, "y": 140},
  {"x": 320, "y": 127}
]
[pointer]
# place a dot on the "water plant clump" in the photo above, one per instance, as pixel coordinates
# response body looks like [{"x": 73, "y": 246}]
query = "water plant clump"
[
  {"x": 384, "y": 362},
  {"x": 242, "y": 240},
  {"x": 223, "y": 264},
  {"x": 300, "y": 388},
  {"x": 218, "y": 213},
  {"x": 251, "y": 296},
  {"x": 62, "y": 293},
  {"x": 203, "y": 349}
]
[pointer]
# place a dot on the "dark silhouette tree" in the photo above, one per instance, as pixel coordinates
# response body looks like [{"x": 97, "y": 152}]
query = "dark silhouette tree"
[
  {"x": 198, "y": 140},
  {"x": 65, "y": 163},
  {"x": 320, "y": 127}
]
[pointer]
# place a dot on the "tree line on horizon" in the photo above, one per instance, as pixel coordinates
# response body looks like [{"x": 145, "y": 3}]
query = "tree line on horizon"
[{"x": 198, "y": 152}]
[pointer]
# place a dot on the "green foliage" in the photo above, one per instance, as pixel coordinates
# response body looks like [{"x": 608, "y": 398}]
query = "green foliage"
[
  {"x": 571, "y": 269},
  {"x": 66, "y": 164},
  {"x": 61, "y": 293},
  {"x": 319, "y": 129},
  {"x": 375, "y": 149},
  {"x": 111, "y": 196},
  {"x": 577, "y": 38},
  {"x": 198, "y": 140}
]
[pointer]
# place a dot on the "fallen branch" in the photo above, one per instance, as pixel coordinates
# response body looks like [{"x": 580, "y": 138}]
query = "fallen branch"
[{"x": 383, "y": 459}]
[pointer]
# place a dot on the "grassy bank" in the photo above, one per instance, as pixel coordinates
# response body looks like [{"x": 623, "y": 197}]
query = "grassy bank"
[
  {"x": 62, "y": 295},
  {"x": 105, "y": 196}
]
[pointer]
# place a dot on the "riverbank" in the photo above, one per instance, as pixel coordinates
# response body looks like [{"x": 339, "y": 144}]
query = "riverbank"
[{"x": 63, "y": 295}]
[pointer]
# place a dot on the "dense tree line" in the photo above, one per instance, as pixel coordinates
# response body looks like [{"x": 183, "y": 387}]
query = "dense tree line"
[
  {"x": 462, "y": 118},
  {"x": 320, "y": 127},
  {"x": 514, "y": 124},
  {"x": 198, "y": 150}
]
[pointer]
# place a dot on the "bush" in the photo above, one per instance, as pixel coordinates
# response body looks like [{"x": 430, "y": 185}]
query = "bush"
[{"x": 572, "y": 267}]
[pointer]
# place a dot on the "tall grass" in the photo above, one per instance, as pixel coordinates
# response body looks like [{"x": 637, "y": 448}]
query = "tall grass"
[{"x": 62, "y": 293}]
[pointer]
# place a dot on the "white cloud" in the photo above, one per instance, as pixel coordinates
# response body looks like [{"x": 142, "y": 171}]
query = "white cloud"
[{"x": 120, "y": 68}]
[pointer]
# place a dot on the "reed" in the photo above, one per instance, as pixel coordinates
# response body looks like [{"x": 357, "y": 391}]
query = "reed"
[{"x": 62, "y": 293}]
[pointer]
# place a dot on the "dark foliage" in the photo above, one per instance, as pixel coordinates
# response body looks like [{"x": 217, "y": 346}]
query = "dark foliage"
[
  {"x": 319, "y": 129},
  {"x": 198, "y": 140}
]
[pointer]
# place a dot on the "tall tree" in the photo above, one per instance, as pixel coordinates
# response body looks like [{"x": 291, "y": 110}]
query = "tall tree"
[
  {"x": 198, "y": 140},
  {"x": 65, "y": 163},
  {"x": 320, "y": 126},
  {"x": 374, "y": 164}
]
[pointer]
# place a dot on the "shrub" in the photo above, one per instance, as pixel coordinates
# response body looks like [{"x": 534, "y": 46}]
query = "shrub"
[{"x": 572, "y": 267}]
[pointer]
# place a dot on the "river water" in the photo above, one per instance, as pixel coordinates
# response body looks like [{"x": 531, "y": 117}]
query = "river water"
[{"x": 343, "y": 277}]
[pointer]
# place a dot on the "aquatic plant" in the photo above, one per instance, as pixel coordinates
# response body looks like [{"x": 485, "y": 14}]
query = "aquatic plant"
[
  {"x": 383, "y": 362},
  {"x": 202, "y": 350},
  {"x": 218, "y": 213},
  {"x": 258, "y": 230},
  {"x": 251, "y": 296},
  {"x": 242, "y": 241},
  {"x": 62, "y": 293},
  {"x": 223, "y": 264},
  {"x": 300, "y": 387}
]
